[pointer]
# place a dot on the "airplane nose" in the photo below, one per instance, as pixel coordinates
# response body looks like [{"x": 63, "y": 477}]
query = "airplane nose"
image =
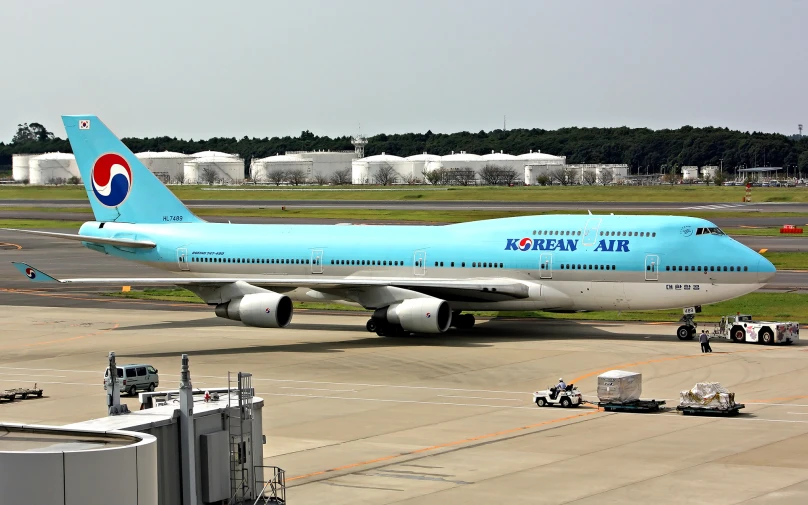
[{"x": 766, "y": 270}]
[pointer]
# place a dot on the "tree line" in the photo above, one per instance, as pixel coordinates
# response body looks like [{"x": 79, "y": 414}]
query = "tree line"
[{"x": 642, "y": 149}]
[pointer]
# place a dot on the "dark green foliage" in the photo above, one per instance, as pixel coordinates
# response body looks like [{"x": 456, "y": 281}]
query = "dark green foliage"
[{"x": 659, "y": 150}]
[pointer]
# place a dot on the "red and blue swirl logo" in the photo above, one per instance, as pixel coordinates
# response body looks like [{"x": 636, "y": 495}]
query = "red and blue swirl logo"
[
  {"x": 111, "y": 179},
  {"x": 30, "y": 273},
  {"x": 525, "y": 244}
]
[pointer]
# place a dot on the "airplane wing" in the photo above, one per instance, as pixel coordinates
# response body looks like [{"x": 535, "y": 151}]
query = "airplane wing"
[
  {"x": 479, "y": 289},
  {"x": 119, "y": 242}
]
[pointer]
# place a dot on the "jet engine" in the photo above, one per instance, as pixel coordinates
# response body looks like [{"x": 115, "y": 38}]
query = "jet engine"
[
  {"x": 263, "y": 310},
  {"x": 421, "y": 315}
]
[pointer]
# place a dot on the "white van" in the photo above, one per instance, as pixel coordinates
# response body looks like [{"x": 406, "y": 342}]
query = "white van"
[{"x": 132, "y": 378}]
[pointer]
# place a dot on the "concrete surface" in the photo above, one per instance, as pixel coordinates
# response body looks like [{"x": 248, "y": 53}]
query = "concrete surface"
[{"x": 355, "y": 418}]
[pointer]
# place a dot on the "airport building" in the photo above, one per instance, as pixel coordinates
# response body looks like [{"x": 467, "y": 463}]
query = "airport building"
[
  {"x": 708, "y": 171},
  {"x": 183, "y": 447},
  {"x": 690, "y": 173}
]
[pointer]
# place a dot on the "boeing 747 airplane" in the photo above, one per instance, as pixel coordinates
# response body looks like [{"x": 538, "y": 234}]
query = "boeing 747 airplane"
[{"x": 417, "y": 279}]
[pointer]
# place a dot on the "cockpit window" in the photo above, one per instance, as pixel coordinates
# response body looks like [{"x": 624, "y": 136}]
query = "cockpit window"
[{"x": 709, "y": 231}]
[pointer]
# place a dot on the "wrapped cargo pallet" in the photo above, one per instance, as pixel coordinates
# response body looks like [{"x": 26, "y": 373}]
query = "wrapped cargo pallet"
[
  {"x": 710, "y": 395},
  {"x": 618, "y": 386}
]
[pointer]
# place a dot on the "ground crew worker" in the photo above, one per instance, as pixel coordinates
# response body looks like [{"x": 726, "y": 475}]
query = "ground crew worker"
[
  {"x": 705, "y": 342},
  {"x": 560, "y": 387}
]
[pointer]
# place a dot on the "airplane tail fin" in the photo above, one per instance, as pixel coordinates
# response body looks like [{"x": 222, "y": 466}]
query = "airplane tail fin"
[{"x": 119, "y": 186}]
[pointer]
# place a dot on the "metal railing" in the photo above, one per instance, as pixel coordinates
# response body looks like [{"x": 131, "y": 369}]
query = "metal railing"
[{"x": 274, "y": 489}]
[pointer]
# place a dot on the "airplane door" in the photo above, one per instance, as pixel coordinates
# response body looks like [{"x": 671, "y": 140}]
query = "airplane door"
[
  {"x": 182, "y": 259},
  {"x": 591, "y": 231},
  {"x": 316, "y": 261},
  {"x": 546, "y": 266},
  {"x": 419, "y": 263},
  {"x": 651, "y": 267}
]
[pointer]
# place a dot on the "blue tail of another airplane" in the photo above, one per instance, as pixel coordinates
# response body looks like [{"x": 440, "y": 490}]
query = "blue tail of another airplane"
[{"x": 119, "y": 186}]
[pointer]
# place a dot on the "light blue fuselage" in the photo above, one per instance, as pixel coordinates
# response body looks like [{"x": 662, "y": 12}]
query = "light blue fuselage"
[{"x": 594, "y": 262}]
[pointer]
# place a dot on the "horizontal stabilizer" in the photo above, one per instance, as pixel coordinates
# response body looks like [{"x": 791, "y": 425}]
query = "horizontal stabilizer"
[
  {"x": 33, "y": 274},
  {"x": 119, "y": 242}
]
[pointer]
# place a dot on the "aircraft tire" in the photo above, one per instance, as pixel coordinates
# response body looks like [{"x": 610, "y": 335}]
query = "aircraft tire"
[
  {"x": 685, "y": 333},
  {"x": 371, "y": 325}
]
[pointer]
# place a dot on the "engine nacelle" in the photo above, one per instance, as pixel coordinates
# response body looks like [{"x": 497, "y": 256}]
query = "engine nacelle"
[
  {"x": 263, "y": 310},
  {"x": 421, "y": 315}
]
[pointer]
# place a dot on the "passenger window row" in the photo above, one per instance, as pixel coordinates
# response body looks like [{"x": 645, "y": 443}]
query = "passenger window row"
[
  {"x": 680, "y": 268},
  {"x": 627, "y": 234},
  {"x": 265, "y": 261},
  {"x": 368, "y": 262},
  {"x": 573, "y": 266},
  {"x": 602, "y": 234},
  {"x": 556, "y": 232}
]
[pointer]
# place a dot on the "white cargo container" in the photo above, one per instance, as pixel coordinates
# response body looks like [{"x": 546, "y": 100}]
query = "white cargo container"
[{"x": 618, "y": 386}]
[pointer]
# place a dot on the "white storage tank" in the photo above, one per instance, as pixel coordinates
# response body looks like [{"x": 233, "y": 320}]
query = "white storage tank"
[
  {"x": 167, "y": 166},
  {"x": 51, "y": 168},
  {"x": 421, "y": 164},
  {"x": 462, "y": 160},
  {"x": 503, "y": 160},
  {"x": 540, "y": 158},
  {"x": 223, "y": 170},
  {"x": 535, "y": 170},
  {"x": 690, "y": 173},
  {"x": 363, "y": 171},
  {"x": 325, "y": 163},
  {"x": 20, "y": 167},
  {"x": 212, "y": 154},
  {"x": 261, "y": 169}
]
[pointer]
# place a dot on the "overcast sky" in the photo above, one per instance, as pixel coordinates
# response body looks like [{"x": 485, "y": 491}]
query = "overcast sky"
[{"x": 196, "y": 69}]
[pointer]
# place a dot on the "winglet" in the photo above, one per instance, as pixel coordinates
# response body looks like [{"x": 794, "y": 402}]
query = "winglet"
[{"x": 33, "y": 274}]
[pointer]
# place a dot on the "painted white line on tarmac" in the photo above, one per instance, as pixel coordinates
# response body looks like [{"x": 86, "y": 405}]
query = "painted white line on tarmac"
[
  {"x": 361, "y": 384},
  {"x": 777, "y": 404},
  {"x": 50, "y": 369},
  {"x": 34, "y": 375},
  {"x": 482, "y": 398},
  {"x": 320, "y": 389},
  {"x": 99, "y": 386},
  {"x": 798, "y": 413},
  {"x": 723, "y": 418},
  {"x": 395, "y": 401}
]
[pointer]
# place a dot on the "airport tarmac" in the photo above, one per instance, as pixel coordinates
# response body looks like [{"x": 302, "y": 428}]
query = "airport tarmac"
[{"x": 355, "y": 418}]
